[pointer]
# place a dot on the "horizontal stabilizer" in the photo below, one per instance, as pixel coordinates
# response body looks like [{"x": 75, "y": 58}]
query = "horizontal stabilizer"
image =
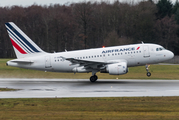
[{"x": 21, "y": 61}]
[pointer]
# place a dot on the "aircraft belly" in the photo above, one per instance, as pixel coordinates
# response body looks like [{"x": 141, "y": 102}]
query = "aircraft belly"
[
  {"x": 131, "y": 62},
  {"x": 63, "y": 67}
]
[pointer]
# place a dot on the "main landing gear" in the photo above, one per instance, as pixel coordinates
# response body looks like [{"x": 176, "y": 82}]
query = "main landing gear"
[
  {"x": 94, "y": 77},
  {"x": 147, "y": 69}
]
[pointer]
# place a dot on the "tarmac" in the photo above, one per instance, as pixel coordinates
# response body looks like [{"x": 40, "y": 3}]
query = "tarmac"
[{"x": 63, "y": 88}]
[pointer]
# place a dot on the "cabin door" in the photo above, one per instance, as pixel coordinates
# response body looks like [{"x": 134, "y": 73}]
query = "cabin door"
[{"x": 146, "y": 51}]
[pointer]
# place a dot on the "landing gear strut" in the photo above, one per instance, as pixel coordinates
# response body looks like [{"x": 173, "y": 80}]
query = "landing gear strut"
[
  {"x": 93, "y": 78},
  {"x": 147, "y": 69}
]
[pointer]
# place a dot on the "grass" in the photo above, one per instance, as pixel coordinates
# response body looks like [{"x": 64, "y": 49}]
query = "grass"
[
  {"x": 140, "y": 108},
  {"x": 8, "y": 89},
  {"x": 158, "y": 72}
]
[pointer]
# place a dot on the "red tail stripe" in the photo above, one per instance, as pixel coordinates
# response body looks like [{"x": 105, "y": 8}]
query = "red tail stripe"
[{"x": 17, "y": 47}]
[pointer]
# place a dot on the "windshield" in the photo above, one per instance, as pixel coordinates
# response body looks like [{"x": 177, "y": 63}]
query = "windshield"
[{"x": 160, "y": 49}]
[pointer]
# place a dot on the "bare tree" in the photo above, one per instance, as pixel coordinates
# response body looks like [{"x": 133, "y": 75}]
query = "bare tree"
[
  {"x": 82, "y": 12},
  {"x": 166, "y": 30}
]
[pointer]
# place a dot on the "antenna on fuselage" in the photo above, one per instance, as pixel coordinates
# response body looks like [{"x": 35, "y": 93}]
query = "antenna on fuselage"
[{"x": 142, "y": 42}]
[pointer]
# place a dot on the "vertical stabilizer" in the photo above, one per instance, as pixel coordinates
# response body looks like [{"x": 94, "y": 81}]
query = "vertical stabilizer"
[{"x": 22, "y": 44}]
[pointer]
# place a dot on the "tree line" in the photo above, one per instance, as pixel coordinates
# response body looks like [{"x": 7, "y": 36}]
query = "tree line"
[{"x": 84, "y": 25}]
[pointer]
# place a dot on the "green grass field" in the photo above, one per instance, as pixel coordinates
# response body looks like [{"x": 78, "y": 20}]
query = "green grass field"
[
  {"x": 158, "y": 72},
  {"x": 122, "y": 108},
  {"x": 140, "y": 108}
]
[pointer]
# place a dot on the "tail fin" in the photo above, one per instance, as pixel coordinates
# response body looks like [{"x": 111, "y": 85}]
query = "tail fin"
[{"x": 22, "y": 44}]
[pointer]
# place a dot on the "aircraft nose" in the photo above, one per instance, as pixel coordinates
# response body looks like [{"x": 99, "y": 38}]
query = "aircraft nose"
[{"x": 170, "y": 55}]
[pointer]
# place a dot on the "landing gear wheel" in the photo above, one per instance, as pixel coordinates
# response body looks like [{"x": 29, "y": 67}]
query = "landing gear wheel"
[
  {"x": 148, "y": 74},
  {"x": 96, "y": 77},
  {"x": 93, "y": 78}
]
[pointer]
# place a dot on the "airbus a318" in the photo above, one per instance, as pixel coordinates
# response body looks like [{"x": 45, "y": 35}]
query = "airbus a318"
[{"x": 113, "y": 60}]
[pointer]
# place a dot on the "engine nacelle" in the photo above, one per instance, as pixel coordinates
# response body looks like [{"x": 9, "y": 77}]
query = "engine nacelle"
[{"x": 116, "y": 68}]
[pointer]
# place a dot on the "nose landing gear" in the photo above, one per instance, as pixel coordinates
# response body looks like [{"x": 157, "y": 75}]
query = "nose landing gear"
[{"x": 147, "y": 69}]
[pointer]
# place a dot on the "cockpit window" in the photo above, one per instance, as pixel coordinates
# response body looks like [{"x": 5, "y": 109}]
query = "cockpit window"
[{"x": 160, "y": 49}]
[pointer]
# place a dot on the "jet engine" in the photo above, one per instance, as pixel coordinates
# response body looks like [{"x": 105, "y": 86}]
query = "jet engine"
[{"x": 116, "y": 68}]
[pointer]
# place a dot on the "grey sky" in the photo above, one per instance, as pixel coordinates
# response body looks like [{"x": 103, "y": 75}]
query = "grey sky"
[
  {"x": 39, "y": 2},
  {"x": 46, "y": 2}
]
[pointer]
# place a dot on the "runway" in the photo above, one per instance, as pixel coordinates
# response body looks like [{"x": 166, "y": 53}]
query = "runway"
[{"x": 60, "y": 88}]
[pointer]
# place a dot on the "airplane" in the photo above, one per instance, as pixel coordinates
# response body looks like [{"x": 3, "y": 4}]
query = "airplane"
[{"x": 113, "y": 60}]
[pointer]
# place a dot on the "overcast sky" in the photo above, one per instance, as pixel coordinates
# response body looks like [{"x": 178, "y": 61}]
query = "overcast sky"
[
  {"x": 47, "y": 2},
  {"x": 39, "y": 2}
]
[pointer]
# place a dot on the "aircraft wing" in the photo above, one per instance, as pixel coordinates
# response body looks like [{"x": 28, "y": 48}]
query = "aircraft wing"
[{"x": 88, "y": 63}]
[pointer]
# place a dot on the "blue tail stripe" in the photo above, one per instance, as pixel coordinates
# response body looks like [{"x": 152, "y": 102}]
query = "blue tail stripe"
[
  {"x": 20, "y": 36},
  {"x": 14, "y": 38},
  {"x": 19, "y": 41}
]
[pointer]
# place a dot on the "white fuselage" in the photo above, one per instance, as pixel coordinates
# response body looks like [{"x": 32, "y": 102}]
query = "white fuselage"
[{"x": 134, "y": 55}]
